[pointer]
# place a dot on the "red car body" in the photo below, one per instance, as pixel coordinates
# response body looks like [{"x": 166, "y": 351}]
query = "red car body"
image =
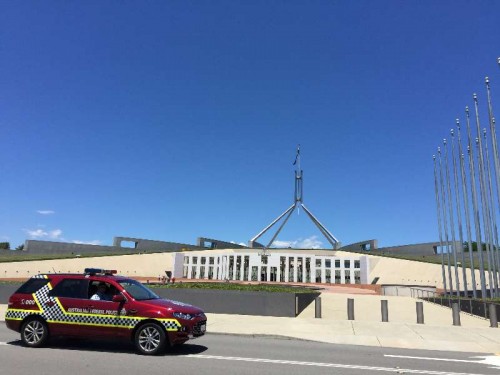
[{"x": 62, "y": 305}]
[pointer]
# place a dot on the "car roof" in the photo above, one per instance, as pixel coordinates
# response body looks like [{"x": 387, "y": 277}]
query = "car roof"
[{"x": 82, "y": 276}]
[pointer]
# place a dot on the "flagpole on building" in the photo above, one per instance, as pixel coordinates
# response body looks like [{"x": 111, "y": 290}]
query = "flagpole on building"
[
  {"x": 452, "y": 221},
  {"x": 438, "y": 209},
  {"x": 491, "y": 216},
  {"x": 482, "y": 187},
  {"x": 459, "y": 213},
  {"x": 477, "y": 222},
  {"x": 445, "y": 221},
  {"x": 466, "y": 211}
]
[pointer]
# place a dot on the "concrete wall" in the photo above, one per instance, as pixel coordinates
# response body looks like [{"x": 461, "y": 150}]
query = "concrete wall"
[
  {"x": 137, "y": 265},
  {"x": 141, "y": 245},
  {"x": 222, "y": 301}
]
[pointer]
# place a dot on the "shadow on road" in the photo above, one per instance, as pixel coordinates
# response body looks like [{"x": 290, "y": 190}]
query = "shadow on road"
[{"x": 111, "y": 346}]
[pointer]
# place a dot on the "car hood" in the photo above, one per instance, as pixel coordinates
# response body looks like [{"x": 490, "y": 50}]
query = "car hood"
[{"x": 173, "y": 306}]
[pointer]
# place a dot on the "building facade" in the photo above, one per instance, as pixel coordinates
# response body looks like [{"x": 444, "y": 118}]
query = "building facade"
[{"x": 278, "y": 266}]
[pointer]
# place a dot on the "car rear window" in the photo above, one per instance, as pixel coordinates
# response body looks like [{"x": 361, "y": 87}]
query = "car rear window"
[
  {"x": 32, "y": 285},
  {"x": 71, "y": 288}
]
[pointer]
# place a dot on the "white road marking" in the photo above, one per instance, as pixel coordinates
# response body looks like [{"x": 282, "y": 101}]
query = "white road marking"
[
  {"x": 3, "y": 343},
  {"x": 492, "y": 360},
  {"x": 320, "y": 364}
]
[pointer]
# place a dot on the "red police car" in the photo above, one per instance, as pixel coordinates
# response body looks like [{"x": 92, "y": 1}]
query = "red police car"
[{"x": 99, "y": 304}]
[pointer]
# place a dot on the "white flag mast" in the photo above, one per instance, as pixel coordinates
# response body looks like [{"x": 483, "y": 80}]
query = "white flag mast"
[{"x": 298, "y": 202}]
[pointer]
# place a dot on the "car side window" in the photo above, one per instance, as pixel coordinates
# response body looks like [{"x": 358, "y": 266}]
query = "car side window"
[
  {"x": 32, "y": 285},
  {"x": 70, "y": 288},
  {"x": 108, "y": 292}
]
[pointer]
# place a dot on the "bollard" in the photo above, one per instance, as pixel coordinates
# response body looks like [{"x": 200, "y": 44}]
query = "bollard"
[
  {"x": 385, "y": 310},
  {"x": 456, "y": 313},
  {"x": 493, "y": 316},
  {"x": 296, "y": 305},
  {"x": 420, "y": 313},
  {"x": 317, "y": 305},
  {"x": 350, "y": 309}
]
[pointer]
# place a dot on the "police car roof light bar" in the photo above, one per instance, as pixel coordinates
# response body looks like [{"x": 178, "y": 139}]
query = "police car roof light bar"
[{"x": 95, "y": 271}]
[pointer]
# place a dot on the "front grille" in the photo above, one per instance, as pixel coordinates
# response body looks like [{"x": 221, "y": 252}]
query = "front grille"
[{"x": 197, "y": 328}]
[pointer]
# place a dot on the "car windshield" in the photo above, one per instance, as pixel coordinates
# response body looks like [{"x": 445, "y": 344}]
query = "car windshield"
[{"x": 138, "y": 291}]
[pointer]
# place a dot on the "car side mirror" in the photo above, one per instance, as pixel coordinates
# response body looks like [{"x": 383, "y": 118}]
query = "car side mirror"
[{"x": 118, "y": 298}]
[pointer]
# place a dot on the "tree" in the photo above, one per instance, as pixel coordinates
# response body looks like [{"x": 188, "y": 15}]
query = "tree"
[
  {"x": 20, "y": 247},
  {"x": 474, "y": 246},
  {"x": 4, "y": 245}
]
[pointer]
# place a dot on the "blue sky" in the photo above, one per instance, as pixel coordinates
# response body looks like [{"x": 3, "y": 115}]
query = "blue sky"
[{"x": 170, "y": 120}]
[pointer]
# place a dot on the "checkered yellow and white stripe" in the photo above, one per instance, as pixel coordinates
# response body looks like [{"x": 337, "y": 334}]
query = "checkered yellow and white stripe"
[{"x": 55, "y": 313}]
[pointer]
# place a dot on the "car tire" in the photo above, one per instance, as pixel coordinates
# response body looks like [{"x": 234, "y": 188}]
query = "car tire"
[
  {"x": 150, "y": 339},
  {"x": 34, "y": 332}
]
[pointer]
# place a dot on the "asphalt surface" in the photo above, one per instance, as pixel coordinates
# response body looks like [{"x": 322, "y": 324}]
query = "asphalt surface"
[{"x": 233, "y": 354}]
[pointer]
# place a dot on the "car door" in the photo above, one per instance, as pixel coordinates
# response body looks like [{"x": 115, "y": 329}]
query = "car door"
[
  {"x": 65, "y": 307},
  {"x": 106, "y": 317}
]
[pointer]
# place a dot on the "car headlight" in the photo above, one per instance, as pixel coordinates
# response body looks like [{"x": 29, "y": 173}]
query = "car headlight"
[{"x": 183, "y": 316}]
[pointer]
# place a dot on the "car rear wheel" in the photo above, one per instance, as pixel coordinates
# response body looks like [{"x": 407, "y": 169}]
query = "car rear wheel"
[
  {"x": 150, "y": 339},
  {"x": 34, "y": 332}
]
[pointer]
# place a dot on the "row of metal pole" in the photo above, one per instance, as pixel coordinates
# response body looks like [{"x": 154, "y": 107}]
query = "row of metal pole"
[
  {"x": 384, "y": 310},
  {"x": 465, "y": 191}
]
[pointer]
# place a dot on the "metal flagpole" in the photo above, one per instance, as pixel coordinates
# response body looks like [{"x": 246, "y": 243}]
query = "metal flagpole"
[
  {"x": 452, "y": 221},
  {"x": 445, "y": 221},
  {"x": 467, "y": 213},
  {"x": 482, "y": 186},
  {"x": 486, "y": 224},
  {"x": 496, "y": 159},
  {"x": 477, "y": 222},
  {"x": 491, "y": 216},
  {"x": 459, "y": 214},
  {"x": 438, "y": 209}
]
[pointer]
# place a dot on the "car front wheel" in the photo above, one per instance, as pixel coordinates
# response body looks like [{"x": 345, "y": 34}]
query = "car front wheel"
[
  {"x": 34, "y": 332},
  {"x": 150, "y": 339}
]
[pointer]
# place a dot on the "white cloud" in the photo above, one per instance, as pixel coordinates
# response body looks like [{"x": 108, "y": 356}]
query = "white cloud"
[
  {"x": 40, "y": 233},
  {"x": 46, "y": 212},
  {"x": 95, "y": 242},
  {"x": 307, "y": 243}
]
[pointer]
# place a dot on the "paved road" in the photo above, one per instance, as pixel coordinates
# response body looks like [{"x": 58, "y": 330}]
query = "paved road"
[{"x": 230, "y": 354}]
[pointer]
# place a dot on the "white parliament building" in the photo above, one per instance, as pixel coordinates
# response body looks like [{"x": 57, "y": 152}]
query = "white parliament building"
[{"x": 284, "y": 265}]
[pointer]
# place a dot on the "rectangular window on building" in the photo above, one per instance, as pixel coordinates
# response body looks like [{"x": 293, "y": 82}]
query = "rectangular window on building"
[
  {"x": 185, "y": 272},
  {"x": 263, "y": 259},
  {"x": 356, "y": 264},
  {"x": 328, "y": 263},
  {"x": 347, "y": 264},
  {"x": 202, "y": 272},
  {"x": 210, "y": 272},
  {"x": 211, "y": 260},
  {"x": 193, "y": 272},
  {"x": 338, "y": 280},
  {"x": 273, "y": 276},
  {"x": 246, "y": 265},
  {"x": 238, "y": 267},
  {"x": 318, "y": 275},
  {"x": 347, "y": 276},
  {"x": 290, "y": 269},
  {"x": 282, "y": 268},
  {"x": 186, "y": 260},
  {"x": 255, "y": 271},
  {"x": 203, "y": 260},
  {"x": 231, "y": 267},
  {"x": 318, "y": 262},
  {"x": 299, "y": 270},
  {"x": 328, "y": 275},
  {"x": 195, "y": 260},
  {"x": 308, "y": 270},
  {"x": 337, "y": 263},
  {"x": 357, "y": 277}
]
